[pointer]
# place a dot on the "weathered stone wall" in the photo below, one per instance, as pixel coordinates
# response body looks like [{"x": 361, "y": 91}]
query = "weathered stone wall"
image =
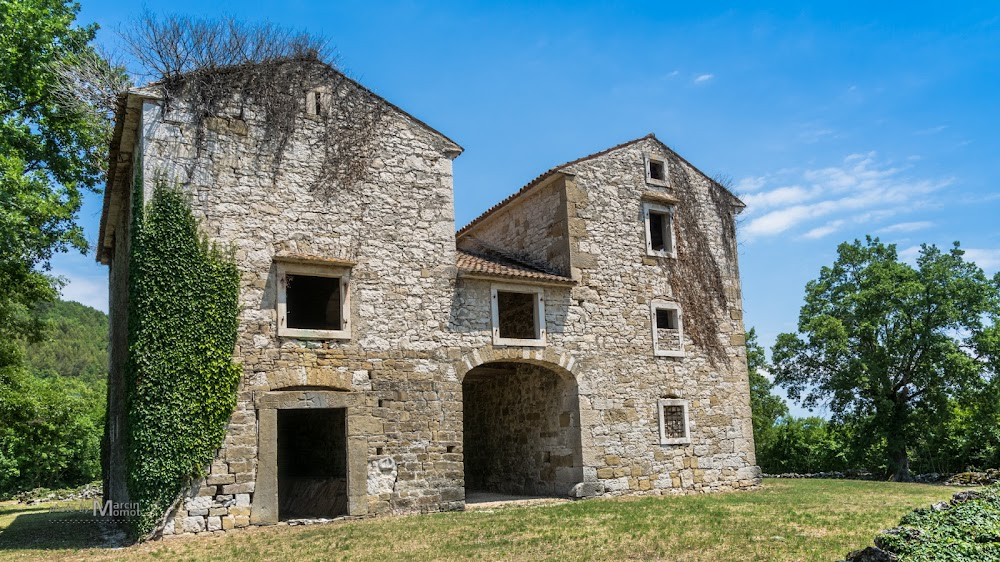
[
  {"x": 533, "y": 226},
  {"x": 519, "y": 431},
  {"x": 417, "y": 329},
  {"x": 112, "y": 448},
  {"x": 621, "y": 380},
  {"x": 397, "y": 358}
]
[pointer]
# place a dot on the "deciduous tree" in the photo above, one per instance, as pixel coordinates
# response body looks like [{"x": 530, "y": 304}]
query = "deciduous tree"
[{"x": 888, "y": 343}]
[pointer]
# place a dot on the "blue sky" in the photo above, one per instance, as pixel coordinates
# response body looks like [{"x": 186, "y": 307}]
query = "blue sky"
[{"x": 832, "y": 122}]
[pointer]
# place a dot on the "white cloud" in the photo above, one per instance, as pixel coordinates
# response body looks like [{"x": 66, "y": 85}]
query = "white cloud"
[
  {"x": 825, "y": 230},
  {"x": 701, "y": 79},
  {"x": 747, "y": 185},
  {"x": 906, "y": 227},
  {"x": 777, "y": 197},
  {"x": 860, "y": 190},
  {"x": 91, "y": 291},
  {"x": 986, "y": 258}
]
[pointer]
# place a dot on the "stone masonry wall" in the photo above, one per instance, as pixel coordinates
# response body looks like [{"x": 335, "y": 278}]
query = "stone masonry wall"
[
  {"x": 397, "y": 360},
  {"x": 619, "y": 396},
  {"x": 519, "y": 425},
  {"x": 419, "y": 328},
  {"x": 532, "y": 226}
]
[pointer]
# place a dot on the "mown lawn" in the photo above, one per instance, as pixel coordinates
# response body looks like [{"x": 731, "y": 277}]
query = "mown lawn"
[{"x": 787, "y": 520}]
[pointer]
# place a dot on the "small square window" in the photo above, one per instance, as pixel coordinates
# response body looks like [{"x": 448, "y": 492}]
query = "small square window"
[
  {"x": 659, "y": 221},
  {"x": 668, "y": 333},
  {"x": 656, "y": 171},
  {"x": 518, "y": 315},
  {"x": 313, "y": 301},
  {"x": 674, "y": 426}
]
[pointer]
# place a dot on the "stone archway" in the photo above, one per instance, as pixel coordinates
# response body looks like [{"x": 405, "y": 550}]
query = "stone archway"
[{"x": 521, "y": 428}]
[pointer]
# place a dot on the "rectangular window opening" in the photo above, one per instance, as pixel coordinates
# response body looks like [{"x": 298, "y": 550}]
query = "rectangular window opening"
[
  {"x": 314, "y": 303},
  {"x": 666, "y": 319},
  {"x": 673, "y": 422},
  {"x": 674, "y": 425},
  {"x": 668, "y": 329},
  {"x": 659, "y": 231},
  {"x": 517, "y": 315},
  {"x": 657, "y": 170}
]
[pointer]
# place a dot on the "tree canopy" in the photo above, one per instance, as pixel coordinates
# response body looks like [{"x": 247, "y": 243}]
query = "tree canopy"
[
  {"x": 887, "y": 346},
  {"x": 53, "y": 147}
]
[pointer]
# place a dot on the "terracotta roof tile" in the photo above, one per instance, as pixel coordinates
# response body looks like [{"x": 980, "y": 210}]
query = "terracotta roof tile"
[{"x": 496, "y": 266}]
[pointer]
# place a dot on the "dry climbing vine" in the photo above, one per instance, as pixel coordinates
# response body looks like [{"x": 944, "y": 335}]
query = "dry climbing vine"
[
  {"x": 260, "y": 74},
  {"x": 701, "y": 286}
]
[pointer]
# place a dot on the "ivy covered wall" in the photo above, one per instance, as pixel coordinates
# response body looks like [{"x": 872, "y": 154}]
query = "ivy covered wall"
[{"x": 180, "y": 378}]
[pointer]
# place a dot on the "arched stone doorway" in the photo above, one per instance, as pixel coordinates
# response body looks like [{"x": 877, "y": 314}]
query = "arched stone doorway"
[{"x": 521, "y": 429}]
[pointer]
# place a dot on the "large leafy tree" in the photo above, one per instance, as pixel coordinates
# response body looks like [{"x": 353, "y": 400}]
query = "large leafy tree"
[
  {"x": 53, "y": 148},
  {"x": 885, "y": 344}
]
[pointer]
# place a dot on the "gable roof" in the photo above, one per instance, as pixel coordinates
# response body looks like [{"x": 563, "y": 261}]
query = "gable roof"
[
  {"x": 561, "y": 169},
  {"x": 127, "y": 101}
]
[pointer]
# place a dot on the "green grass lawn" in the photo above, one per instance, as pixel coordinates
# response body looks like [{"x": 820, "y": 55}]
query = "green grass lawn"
[{"x": 787, "y": 520}]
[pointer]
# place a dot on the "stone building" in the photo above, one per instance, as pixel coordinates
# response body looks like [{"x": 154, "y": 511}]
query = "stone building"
[{"x": 582, "y": 337}]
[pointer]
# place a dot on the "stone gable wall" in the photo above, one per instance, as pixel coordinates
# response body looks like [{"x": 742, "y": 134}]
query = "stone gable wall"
[{"x": 533, "y": 226}]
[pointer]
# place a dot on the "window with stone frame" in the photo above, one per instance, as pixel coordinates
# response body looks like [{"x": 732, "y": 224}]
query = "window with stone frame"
[
  {"x": 674, "y": 424},
  {"x": 657, "y": 171},
  {"x": 659, "y": 222},
  {"x": 518, "y": 315},
  {"x": 318, "y": 102},
  {"x": 668, "y": 329},
  {"x": 313, "y": 301}
]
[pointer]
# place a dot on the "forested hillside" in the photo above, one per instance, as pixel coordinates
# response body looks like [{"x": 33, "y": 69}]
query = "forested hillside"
[
  {"x": 76, "y": 343},
  {"x": 52, "y": 404}
]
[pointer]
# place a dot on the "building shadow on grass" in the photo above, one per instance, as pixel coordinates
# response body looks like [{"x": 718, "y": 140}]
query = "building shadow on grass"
[{"x": 55, "y": 530}]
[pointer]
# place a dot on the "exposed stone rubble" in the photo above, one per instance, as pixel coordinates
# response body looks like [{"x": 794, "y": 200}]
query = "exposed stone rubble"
[{"x": 422, "y": 328}]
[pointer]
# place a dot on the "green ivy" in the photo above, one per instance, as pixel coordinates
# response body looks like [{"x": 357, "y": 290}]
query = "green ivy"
[
  {"x": 180, "y": 379},
  {"x": 968, "y": 530}
]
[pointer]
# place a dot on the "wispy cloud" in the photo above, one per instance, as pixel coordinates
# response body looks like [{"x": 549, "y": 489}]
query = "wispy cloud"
[
  {"x": 91, "y": 290},
  {"x": 859, "y": 190},
  {"x": 931, "y": 130},
  {"x": 906, "y": 227},
  {"x": 702, "y": 78},
  {"x": 986, "y": 258},
  {"x": 825, "y": 230}
]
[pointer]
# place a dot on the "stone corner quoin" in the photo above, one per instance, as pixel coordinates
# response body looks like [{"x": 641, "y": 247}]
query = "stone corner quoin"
[{"x": 391, "y": 365}]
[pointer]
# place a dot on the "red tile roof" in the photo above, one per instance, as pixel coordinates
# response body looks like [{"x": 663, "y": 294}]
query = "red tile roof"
[{"x": 496, "y": 266}]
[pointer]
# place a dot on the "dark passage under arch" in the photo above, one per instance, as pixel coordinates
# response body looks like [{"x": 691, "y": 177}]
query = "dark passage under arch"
[{"x": 521, "y": 430}]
